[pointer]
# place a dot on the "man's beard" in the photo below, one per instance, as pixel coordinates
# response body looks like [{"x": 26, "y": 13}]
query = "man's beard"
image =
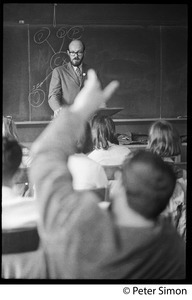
[{"x": 76, "y": 63}]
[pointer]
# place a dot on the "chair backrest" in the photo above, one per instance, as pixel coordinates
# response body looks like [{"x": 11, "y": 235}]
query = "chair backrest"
[
  {"x": 19, "y": 240},
  {"x": 110, "y": 171}
]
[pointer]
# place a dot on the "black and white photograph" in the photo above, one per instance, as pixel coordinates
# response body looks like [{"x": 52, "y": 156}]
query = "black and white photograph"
[{"x": 94, "y": 146}]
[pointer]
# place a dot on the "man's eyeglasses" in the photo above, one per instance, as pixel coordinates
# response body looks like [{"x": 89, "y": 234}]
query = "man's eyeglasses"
[{"x": 73, "y": 53}]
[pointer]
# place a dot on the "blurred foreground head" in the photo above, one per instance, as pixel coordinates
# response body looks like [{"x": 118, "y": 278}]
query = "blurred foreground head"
[{"x": 149, "y": 183}]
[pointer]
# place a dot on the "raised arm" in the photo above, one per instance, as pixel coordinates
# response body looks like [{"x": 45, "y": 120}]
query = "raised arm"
[{"x": 49, "y": 172}]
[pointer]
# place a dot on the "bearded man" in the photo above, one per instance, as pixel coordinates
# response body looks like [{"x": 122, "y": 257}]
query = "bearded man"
[{"x": 67, "y": 80}]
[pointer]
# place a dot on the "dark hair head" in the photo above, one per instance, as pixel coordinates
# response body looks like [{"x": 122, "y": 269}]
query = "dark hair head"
[
  {"x": 84, "y": 144},
  {"x": 164, "y": 139},
  {"x": 103, "y": 131},
  {"x": 149, "y": 183},
  {"x": 12, "y": 156}
]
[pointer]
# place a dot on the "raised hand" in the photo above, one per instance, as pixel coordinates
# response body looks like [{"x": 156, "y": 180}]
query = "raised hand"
[{"x": 92, "y": 97}]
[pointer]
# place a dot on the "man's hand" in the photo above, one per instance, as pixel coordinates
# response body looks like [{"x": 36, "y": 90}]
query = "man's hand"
[
  {"x": 57, "y": 111},
  {"x": 92, "y": 97}
]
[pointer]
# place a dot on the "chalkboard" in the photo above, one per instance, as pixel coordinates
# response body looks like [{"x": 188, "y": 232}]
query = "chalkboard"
[
  {"x": 174, "y": 72},
  {"x": 150, "y": 63},
  {"x": 15, "y": 73}
]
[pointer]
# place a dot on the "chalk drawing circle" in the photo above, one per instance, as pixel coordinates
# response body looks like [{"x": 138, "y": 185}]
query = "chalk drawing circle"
[
  {"x": 59, "y": 59},
  {"x": 42, "y": 35},
  {"x": 61, "y": 32},
  {"x": 75, "y": 32},
  {"x": 36, "y": 98}
]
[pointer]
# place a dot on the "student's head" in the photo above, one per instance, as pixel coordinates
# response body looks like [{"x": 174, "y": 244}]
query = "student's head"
[
  {"x": 76, "y": 51},
  {"x": 149, "y": 183},
  {"x": 12, "y": 156},
  {"x": 84, "y": 144},
  {"x": 103, "y": 131},
  {"x": 9, "y": 128},
  {"x": 164, "y": 139}
]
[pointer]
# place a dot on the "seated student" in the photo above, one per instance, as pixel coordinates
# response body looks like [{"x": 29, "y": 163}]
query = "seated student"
[
  {"x": 165, "y": 141},
  {"x": 107, "y": 150},
  {"x": 83, "y": 241},
  {"x": 20, "y": 216},
  {"x": 9, "y": 130},
  {"x": 16, "y": 211},
  {"x": 86, "y": 173}
]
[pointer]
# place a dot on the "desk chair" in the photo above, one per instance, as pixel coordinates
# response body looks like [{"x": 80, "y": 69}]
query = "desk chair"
[
  {"x": 19, "y": 240},
  {"x": 21, "y": 254}
]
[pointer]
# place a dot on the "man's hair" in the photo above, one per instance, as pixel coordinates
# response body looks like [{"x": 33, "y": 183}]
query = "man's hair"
[
  {"x": 164, "y": 139},
  {"x": 12, "y": 156},
  {"x": 103, "y": 131},
  {"x": 149, "y": 183}
]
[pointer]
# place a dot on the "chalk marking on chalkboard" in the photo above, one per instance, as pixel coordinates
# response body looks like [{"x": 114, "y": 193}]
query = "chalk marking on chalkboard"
[
  {"x": 50, "y": 46},
  {"x": 37, "y": 96},
  {"x": 54, "y": 15},
  {"x": 42, "y": 35},
  {"x": 74, "y": 31},
  {"x": 29, "y": 68},
  {"x": 58, "y": 59},
  {"x": 41, "y": 83},
  {"x": 161, "y": 72},
  {"x": 61, "y": 32},
  {"x": 62, "y": 45}
]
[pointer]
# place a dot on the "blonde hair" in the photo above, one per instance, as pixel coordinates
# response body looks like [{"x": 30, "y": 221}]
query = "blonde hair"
[
  {"x": 164, "y": 139},
  {"x": 9, "y": 128}
]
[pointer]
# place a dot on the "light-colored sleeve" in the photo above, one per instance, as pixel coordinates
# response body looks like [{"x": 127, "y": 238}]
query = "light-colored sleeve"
[{"x": 55, "y": 91}]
